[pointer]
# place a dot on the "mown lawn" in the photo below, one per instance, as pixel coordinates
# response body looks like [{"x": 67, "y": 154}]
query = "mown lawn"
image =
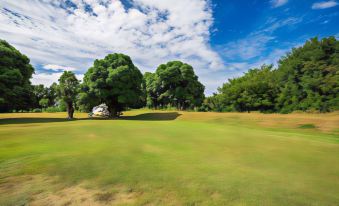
[{"x": 170, "y": 158}]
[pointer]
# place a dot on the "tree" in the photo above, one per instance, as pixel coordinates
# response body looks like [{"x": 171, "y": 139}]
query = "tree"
[
  {"x": 256, "y": 90},
  {"x": 174, "y": 84},
  {"x": 44, "y": 102},
  {"x": 40, "y": 92},
  {"x": 151, "y": 84},
  {"x": 114, "y": 81},
  {"x": 308, "y": 77},
  {"x": 52, "y": 94},
  {"x": 15, "y": 74},
  {"x": 67, "y": 90}
]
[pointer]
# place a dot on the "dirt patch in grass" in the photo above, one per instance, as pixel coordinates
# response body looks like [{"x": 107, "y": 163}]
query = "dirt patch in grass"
[{"x": 41, "y": 190}]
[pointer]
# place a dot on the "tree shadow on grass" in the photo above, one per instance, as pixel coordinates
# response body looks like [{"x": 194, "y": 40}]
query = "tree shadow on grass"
[
  {"x": 163, "y": 116},
  {"x": 31, "y": 120}
]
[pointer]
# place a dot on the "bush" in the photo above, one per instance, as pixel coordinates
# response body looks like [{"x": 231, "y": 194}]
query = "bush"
[
  {"x": 62, "y": 106},
  {"x": 52, "y": 109},
  {"x": 37, "y": 110}
]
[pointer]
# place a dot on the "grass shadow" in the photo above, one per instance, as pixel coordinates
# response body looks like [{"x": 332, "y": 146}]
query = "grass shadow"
[
  {"x": 30, "y": 120},
  {"x": 161, "y": 116},
  {"x": 164, "y": 116}
]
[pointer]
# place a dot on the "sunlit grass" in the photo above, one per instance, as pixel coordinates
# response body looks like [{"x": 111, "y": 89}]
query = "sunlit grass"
[{"x": 178, "y": 158}]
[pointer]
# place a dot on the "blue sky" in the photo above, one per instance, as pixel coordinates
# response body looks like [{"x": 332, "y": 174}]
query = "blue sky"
[{"x": 222, "y": 39}]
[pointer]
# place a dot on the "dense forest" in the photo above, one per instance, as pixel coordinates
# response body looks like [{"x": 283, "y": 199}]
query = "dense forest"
[{"x": 306, "y": 79}]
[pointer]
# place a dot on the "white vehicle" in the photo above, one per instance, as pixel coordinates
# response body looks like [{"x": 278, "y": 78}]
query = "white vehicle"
[{"x": 100, "y": 111}]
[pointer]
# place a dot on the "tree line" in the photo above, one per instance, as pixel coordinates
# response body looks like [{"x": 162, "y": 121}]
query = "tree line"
[{"x": 307, "y": 78}]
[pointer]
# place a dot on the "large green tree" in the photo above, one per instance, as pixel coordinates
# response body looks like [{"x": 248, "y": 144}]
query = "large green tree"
[
  {"x": 114, "y": 81},
  {"x": 68, "y": 90},
  {"x": 256, "y": 90},
  {"x": 308, "y": 77},
  {"x": 15, "y": 74},
  {"x": 174, "y": 84}
]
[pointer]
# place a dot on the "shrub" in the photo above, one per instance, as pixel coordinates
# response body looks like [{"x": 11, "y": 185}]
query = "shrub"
[
  {"x": 52, "y": 109},
  {"x": 62, "y": 106},
  {"x": 37, "y": 110}
]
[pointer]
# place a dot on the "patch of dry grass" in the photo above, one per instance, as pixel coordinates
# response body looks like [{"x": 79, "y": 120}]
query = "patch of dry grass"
[{"x": 38, "y": 190}]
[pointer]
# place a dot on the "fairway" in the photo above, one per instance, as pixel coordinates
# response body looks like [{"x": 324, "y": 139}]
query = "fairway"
[{"x": 169, "y": 158}]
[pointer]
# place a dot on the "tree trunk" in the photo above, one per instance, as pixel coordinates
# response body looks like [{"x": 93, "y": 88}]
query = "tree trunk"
[
  {"x": 112, "y": 108},
  {"x": 113, "y": 112},
  {"x": 70, "y": 110}
]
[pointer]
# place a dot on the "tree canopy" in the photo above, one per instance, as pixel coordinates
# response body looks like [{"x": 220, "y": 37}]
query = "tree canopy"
[
  {"x": 308, "y": 77},
  {"x": 15, "y": 74},
  {"x": 114, "y": 81},
  {"x": 174, "y": 84}
]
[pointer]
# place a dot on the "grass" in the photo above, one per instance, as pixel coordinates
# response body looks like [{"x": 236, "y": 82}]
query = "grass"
[{"x": 170, "y": 158}]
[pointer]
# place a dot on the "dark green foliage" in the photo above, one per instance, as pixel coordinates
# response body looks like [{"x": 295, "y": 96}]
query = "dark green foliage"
[
  {"x": 114, "y": 81},
  {"x": 309, "y": 77},
  {"x": 40, "y": 92},
  {"x": 175, "y": 85},
  {"x": 256, "y": 90},
  {"x": 15, "y": 72},
  {"x": 68, "y": 90},
  {"x": 52, "y": 94},
  {"x": 306, "y": 79},
  {"x": 213, "y": 103},
  {"x": 152, "y": 93},
  {"x": 45, "y": 96}
]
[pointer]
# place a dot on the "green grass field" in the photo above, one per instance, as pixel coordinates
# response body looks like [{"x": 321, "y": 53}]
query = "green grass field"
[{"x": 170, "y": 158}]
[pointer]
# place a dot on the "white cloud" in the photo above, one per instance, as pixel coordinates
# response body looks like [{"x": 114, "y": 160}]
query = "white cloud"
[
  {"x": 324, "y": 4},
  {"x": 55, "y": 67},
  {"x": 247, "y": 48},
  {"x": 255, "y": 44},
  {"x": 150, "y": 32},
  {"x": 48, "y": 79},
  {"x": 278, "y": 3}
]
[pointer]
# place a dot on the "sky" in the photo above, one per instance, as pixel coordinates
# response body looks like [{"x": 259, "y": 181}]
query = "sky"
[{"x": 221, "y": 39}]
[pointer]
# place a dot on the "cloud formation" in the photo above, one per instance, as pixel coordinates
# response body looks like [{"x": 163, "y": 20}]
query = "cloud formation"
[
  {"x": 278, "y": 3},
  {"x": 324, "y": 4},
  {"x": 74, "y": 33},
  {"x": 55, "y": 67},
  {"x": 256, "y": 43}
]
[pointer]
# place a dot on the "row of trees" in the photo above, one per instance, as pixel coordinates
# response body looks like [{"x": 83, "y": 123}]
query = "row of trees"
[
  {"x": 306, "y": 79},
  {"x": 114, "y": 80},
  {"x": 118, "y": 83}
]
